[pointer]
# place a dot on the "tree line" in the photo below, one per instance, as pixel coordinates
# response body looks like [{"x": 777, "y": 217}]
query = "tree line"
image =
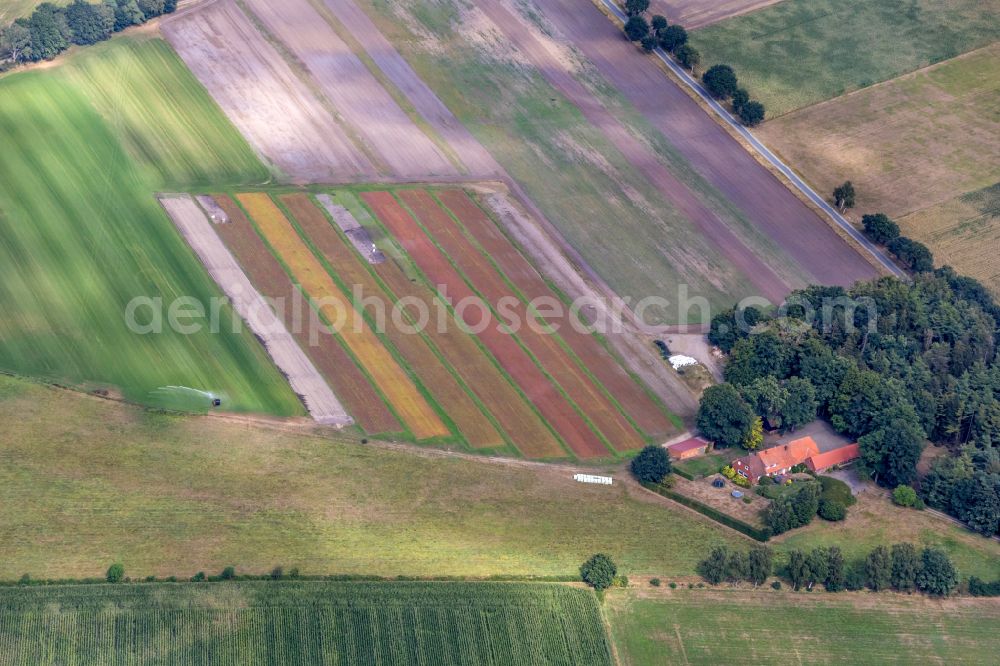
[
  {"x": 901, "y": 568},
  {"x": 52, "y": 29},
  {"x": 888, "y": 363}
]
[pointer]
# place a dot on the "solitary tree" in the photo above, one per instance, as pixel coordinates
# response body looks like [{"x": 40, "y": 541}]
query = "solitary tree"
[
  {"x": 599, "y": 572},
  {"x": 636, "y": 28},
  {"x": 636, "y": 7},
  {"x": 880, "y": 228},
  {"x": 651, "y": 465},
  {"x": 843, "y": 196},
  {"x": 116, "y": 573},
  {"x": 904, "y": 495},
  {"x": 688, "y": 56},
  {"x": 673, "y": 37},
  {"x": 720, "y": 81}
]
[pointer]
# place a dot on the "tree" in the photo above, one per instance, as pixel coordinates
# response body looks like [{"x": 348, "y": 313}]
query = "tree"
[
  {"x": 880, "y": 228},
  {"x": 817, "y": 565},
  {"x": 636, "y": 28},
  {"x": 228, "y": 573},
  {"x": 720, "y": 81},
  {"x": 767, "y": 398},
  {"x": 892, "y": 450},
  {"x": 904, "y": 495},
  {"x": 752, "y": 113},
  {"x": 843, "y": 196},
  {"x": 976, "y": 502},
  {"x": 905, "y": 566},
  {"x": 755, "y": 437},
  {"x": 50, "y": 34},
  {"x": 780, "y": 516},
  {"x": 798, "y": 570},
  {"x": 759, "y": 564},
  {"x": 688, "y": 56},
  {"x": 116, "y": 573},
  {"x": 151, "y": 8},
  {"x": 724, "y": 416},
  {"x": 937, "y": 576},
  {"x": 740, "y": 97},
  {"x": 599, "y": 572},
  {"x": 636, "y": 7},
  {"x": 15, "y": 42},
  {"x": 90, "y": 23},
  {"x": 648, "y": 43},
  {"x": 658, "y": 23},
  {"x": 713, "y": 568},
  {"x": 836, "y": 574},
  {"x": 832, "y": 510},
  {"x": 169, "y": 6},
  {"x": 878, "y": 569},
  {"x": 672, "y": 38},
  {"x": 800, "y": 404},
  {"x": 127, "y": 14},
  {"x": 915, "y": 255},
  {"x": 736, "y": 567},
  {"x": 806, "y": 502},
  {"x": 651, "y": 465}
]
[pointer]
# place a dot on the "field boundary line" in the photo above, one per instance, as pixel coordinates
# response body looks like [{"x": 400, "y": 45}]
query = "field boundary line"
[{"x": 760, "y": 150}]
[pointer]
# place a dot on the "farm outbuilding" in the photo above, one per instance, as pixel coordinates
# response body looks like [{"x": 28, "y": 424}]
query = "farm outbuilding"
[{"x": 689, "y": 448}]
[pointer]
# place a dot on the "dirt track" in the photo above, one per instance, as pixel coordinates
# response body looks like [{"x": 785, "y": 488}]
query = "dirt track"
[
  {"x": 370, "y": 112},
  {"x": 719, "y": 158},
  {"x": 640, "y": 155},
  {"x": 699, "y": 13},
  {"x": 305, "y": 380},
  {"x": 262, "y": 96}
]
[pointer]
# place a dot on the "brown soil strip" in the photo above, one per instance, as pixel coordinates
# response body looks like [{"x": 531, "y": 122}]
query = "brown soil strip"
[
  {"x": 720, "y": 159},
  {"x": 478, "y": 161},
  {"x": 435, "y": 375},
  {"x": 646, "y": 413},
  {"x": 535, "y": 385},
  {"x": 639, "y": 155},
  {"x": 262, "y": 96},
  {"x": 544, "y": 348},
  {"x": 357, "y": 95},
  {"x": 196, "y": 229},
  {"x": 335, "y": 364}
]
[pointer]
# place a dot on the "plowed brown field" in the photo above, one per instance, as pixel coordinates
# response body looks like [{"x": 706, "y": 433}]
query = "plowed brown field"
[
  {"x": 560, "y": 412},
  {"x": 649, "y": 416},
  {"x": 436, "y": 377},
  {"x": 334, "y": 363}
]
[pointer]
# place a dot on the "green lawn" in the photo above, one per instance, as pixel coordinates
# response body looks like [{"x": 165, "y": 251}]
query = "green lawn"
[
  {"x": 742, "y": 626},
  {"x": 799, "y": 52},
  {"x": 703, "y": 466},
  {"x": 303, "y": 623},
  {"x": 86, "y": 146}
]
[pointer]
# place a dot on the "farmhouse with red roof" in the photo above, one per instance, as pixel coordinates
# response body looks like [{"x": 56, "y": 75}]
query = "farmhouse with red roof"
[{"x": 781, "y": 459}]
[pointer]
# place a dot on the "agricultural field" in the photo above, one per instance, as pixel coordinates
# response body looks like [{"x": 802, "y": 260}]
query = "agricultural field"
[
  {"x": 304, "y": 622},
  {"x": 737, "y": 626},
  {"x": 521, "y": 390},
  {"x": 12, "y": 9},
  {"x": 963, "y": 233},
  {"x": 800, "y": 52},
  {"x": 84, "y": 482},
  {"x": 907, "y": 144},
  {"x": 698, "y": 13},
  {"x": 83, "y": 235}
]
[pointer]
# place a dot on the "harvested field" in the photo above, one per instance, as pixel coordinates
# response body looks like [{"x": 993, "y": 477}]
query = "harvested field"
[
  {"x": 437, "y": 377},
  {"x": 349, "y": 383},
  {"x": 963, "y": 233},
  {"x": 368, "y": 350},
  {"x": 559, "y": 413},
  {"x": 305, "y": 380},
  {"x": 769, "y": 206},
  {"x": 907, "y": 144},
  {"x": 477, "y": 161},
  {"x": 648, "y": 415},
  {"x": 800, "y": 52},
  {"x": 263, "y": 97},
  {"x": 545, "y": 348},
  {"x": 365, "y": 106},
  {"x": 698, "y": 13}
]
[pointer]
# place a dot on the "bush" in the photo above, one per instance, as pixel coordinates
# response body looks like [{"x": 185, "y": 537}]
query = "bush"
[
  {"x": 198, "y": 577},
  {"x": 765, "y": 481},
  {"x": 651, "y": 465},
  {"x": 277, "y": 573},
  {"x": 228, "y": 573},
  {"x": 116, "y": 573},
  {"x": 835, "y": 489},
  {"x": 752, "y": 113},
  {"x": 599, "y": 571},
  {"x": 621, "y": 581},
  {"x": 720, "y": 81},
  {"x": 980, "y": 588},
  {"x": 904, "y": 495},
  {"x": 880, "y": 228},
  {"x": 655, "y": 582},
  {"x": 776, "y": 585},
  {"x": 832, "y": 510}
]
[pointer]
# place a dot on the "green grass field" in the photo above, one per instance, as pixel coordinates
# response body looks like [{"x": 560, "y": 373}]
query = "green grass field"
[
  {"x": 303, "y": 623},
  {"x": 799, "y": 52},
  {"x": 741, "y": 626},
  {"x": 12, "y": 9},
  {"x": 86, "y": 145},
  {"x": 628, "y": 232},
  {"x": 702, "y": 466}
]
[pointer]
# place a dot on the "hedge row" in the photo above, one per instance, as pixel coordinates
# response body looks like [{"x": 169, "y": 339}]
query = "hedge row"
[{"x": 755, "y": 533}]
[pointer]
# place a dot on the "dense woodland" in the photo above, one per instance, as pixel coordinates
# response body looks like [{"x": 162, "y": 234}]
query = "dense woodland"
[
  {"x": 52, "y": 29},
  {"x": 889, "y": 363}
]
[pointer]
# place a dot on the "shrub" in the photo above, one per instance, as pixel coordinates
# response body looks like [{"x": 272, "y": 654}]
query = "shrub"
[
  {"x": 835, "y": 489},
  {"x": 904, "y": 495},
  {"x": 880, "y": 228},
  {"x": 621, "y": 580},
  {"x": 599, "y": 571},
  {"x": 752, "y": 113},
  {"x": 116, "y": 573},
  {"x": 832, "y": 510},
  {"x": 277, "y": 573},
  {"x": 720, "y": 81},
  {"x": 651, "y": 465},
  {"x": 198, "y": 577},
  {"x": 776, "y": 585},
  {"x": 228, "y": 573},
  {"x": 673, "y": 586},
  {"x": 655, "y": 582},
  {"x": 765, "y": 481}
]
